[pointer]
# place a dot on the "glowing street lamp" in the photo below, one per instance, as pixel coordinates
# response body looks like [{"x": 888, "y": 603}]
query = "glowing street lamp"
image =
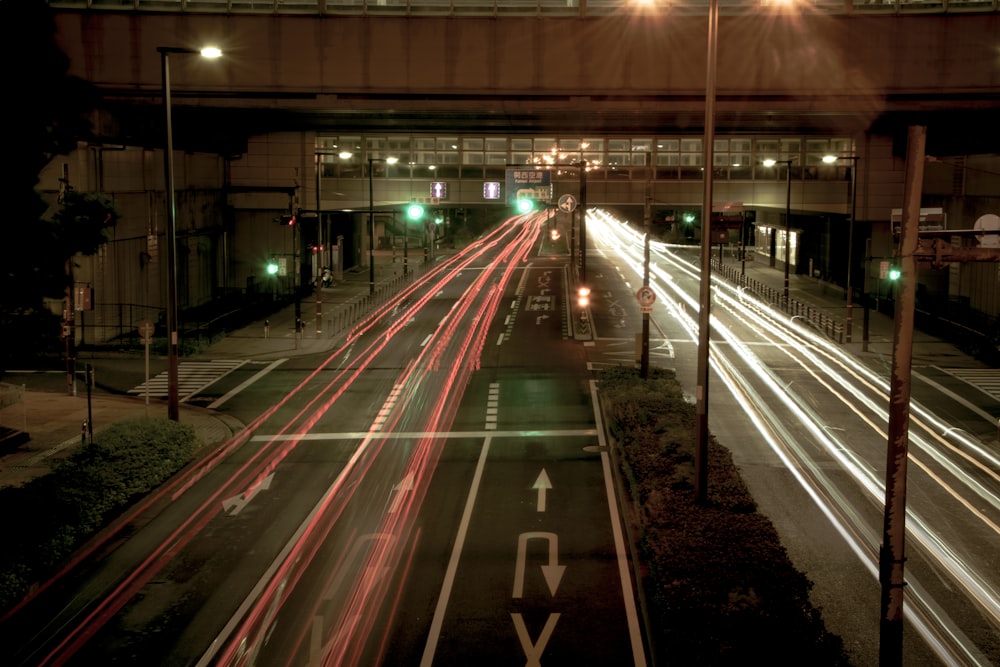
[
  {"x": 788, "y": 216},
  {"x": 371, "y": 220},
  {"x": 173, "y": 406},
  {"x": 831, "y": 159}
]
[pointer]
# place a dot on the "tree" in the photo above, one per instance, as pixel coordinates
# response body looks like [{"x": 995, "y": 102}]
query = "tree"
[{"x": 49, "y": 111}]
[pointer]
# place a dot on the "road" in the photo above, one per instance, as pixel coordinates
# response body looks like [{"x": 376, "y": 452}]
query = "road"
[
  {"x": 435, "y": 491},
  {"x": 807, "y": 424}
]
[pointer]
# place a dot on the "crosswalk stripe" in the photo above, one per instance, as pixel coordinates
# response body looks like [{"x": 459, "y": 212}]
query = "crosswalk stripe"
[
  {"x": 192, "y": 378},
  {"x": 986, "y": 380}
]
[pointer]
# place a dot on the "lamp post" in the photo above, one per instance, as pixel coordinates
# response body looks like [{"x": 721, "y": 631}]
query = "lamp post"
[
  {"x": 371, "y": 220},
  {"x": 705, "y": 285},
  {"x": 173, "y": 406},
  {"x": 788, "y": 216},
  {"x": 830, "y": 159}
]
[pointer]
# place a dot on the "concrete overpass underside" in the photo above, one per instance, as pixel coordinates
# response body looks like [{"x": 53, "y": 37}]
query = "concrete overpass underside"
[{"x": 778, "y": 73}]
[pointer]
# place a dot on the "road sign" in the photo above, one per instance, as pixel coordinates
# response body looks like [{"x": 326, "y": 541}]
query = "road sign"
[
  {"x": 646, "y": 298},
  {"x": 146, "y": 329},
  {"x": 528, "y": 183},
  {"x": 567, "y": 203}
]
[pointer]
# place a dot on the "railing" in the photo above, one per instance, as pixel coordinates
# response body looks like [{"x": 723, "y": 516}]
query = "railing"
[
  {"x": 813, "y": 316},
  {"x": 479, "y": 8}
]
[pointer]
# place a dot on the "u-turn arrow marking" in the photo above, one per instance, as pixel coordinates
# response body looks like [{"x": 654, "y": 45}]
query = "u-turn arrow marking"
[{"x": 552, "y": 572}]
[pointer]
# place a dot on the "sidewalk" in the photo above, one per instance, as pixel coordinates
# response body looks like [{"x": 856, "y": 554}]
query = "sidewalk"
[
  {"x": 831, "y": 300},
  {"x": 53, "y": 420}
]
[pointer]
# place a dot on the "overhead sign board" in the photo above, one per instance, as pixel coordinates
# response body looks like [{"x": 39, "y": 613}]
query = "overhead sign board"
[{"x": 528, "y": 184}]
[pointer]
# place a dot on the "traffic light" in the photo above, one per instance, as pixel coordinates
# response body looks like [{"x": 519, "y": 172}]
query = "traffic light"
[
  {"x": 414, "y": 212},
  {"x": 525, "y": 205},
  {"x": 288, "y": 220},
  {"x": 894, "y": 273},
  {"x": 272, "y": 266}
]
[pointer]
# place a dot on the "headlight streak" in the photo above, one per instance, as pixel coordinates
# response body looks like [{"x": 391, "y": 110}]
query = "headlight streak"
[
  {"x": 816, "y": 363},
  {"x": 849, "y": 523},
  {"x": 971, "y": 581}
]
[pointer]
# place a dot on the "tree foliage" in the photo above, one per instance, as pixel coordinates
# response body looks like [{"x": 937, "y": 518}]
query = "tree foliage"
[{"x": 49, "y": 111}]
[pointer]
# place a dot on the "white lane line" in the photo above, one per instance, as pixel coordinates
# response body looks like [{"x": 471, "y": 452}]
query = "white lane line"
[
  {"x": 445, "y": 435},
  {"x": 631, "y": 614},
  {"x": 235, "y": 390},
  {"x": 456, "y": 553}
]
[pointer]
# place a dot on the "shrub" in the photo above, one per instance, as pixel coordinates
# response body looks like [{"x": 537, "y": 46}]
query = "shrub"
[
  {"x": 721, "y": 585},
  {"x": 51, "y": 516}
]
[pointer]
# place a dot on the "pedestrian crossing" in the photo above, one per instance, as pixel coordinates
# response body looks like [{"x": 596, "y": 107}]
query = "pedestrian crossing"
[
  {"x": 986, "y": 380},
  {"x": 192, "y": 378}
]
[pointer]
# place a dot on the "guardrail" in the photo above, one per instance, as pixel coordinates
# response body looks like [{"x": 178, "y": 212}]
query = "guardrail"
[{"x": 832, "y": 327}]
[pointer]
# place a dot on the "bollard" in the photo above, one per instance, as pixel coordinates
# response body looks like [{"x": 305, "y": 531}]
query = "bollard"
[
  {"x": 83, "y": 433},
  {"x": 267, "y": 328}
]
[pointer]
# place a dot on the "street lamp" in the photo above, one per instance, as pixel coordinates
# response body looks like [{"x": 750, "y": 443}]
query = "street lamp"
[
  {"x": 371, "y": 220},
  {"x": 831, "y": 159},
  {"x": 173, "y": 406},
  {"x": 788, "y": 216},
  {"x": 705, "y": 286}
]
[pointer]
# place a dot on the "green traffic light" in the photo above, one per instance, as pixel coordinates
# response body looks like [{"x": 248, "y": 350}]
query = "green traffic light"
[
  {"x": 894, "y": 274},
  {"x": 415, "y": 211},
  {"x": 272, "y": 268},
  {"x": 525, "y": 205}
]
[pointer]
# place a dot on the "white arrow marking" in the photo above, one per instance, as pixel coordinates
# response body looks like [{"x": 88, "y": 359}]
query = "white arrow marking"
[
  {"x": 533, "y": 652},
  {"x": 542, "y": 484},
  {"x": 235, "y": 504},
  {"x": 404, "y": 486},
  {"x": 552, "y": 572}
]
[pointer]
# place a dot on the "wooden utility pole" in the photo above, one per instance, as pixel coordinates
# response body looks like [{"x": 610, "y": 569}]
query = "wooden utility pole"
[{"x": 891, "y": 555}]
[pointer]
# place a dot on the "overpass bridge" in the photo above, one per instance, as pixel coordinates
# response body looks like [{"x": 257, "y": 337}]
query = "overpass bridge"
[
  {"x": 840, "y": 67},
  {"x": 311, "y": 96}
]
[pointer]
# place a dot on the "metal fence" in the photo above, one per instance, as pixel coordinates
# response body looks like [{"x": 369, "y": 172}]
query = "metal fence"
[{"x": 815, "y": 317}]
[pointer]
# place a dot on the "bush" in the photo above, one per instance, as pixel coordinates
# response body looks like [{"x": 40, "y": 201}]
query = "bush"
[
  {"x": 51, "y": 516},
  {"x": 721, "y": 587}
]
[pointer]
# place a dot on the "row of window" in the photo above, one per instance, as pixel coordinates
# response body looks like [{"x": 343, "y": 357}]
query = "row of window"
[
  {"x": 522, "y": 7},
  {"x": 640, "y": 158}
]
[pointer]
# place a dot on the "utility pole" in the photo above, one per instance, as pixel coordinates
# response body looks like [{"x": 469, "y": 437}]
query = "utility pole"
[
  {"x": 644, "y": 355},
  {"x": 891, "y": 555}
]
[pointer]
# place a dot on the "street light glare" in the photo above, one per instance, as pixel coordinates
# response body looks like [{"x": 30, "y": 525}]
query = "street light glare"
[
  {"x": 769, "y": 162},
  {"x": 391, "y": 160},
  {"x": 830, "y": 159},
  {"x": 211, "y": 52}
]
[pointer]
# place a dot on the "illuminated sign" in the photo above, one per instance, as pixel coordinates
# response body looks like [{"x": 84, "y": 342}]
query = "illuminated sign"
[
  {"x": 528, "y": 184},
  {"x": 491, "y": 190},
  {"x": 439, "y": 189}
]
